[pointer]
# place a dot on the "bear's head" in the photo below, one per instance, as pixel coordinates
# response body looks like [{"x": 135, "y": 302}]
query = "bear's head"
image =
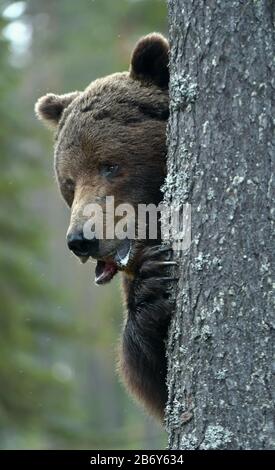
[{"x": 110, "y": 149}]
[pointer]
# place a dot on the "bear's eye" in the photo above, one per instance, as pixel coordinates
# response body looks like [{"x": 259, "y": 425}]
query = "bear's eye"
[
  {"x": 69, "y": 184},
  {"x": 108, "y": 170},
  {"x": 67, "y": 188}
]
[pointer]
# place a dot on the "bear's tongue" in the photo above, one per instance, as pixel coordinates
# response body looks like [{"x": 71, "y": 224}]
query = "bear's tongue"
[{"x": 104, "y": 271}]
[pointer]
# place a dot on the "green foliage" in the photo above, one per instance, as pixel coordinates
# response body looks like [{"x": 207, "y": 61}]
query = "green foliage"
[{"x": 27, "y": 299}]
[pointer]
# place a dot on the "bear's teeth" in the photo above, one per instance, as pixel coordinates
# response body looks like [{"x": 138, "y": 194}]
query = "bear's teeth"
[
  {"x": 123, "y": 253},
  {"x": 124, "y": 261}
]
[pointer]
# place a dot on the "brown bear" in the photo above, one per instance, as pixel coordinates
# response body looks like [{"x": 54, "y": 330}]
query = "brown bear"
[{"x": 110, "y": 140}]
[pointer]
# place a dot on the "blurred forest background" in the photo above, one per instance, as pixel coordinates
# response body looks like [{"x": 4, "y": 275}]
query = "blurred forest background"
[{"x": 58, "y": 332}]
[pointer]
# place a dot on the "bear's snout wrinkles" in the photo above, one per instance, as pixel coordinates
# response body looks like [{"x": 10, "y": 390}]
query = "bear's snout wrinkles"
[{"x": 92, "y": 228}]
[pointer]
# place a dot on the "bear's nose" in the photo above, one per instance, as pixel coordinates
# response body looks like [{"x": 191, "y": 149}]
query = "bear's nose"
[{"x": 81, "y": 246}]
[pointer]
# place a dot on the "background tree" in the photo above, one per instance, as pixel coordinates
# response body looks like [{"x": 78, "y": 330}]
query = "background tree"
[
  {"x": 221, "y": 161},
  {"x": 27, "y": 321}
]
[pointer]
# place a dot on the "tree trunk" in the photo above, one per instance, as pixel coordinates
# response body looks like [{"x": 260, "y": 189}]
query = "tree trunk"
[{"x": 220, "y": 161}]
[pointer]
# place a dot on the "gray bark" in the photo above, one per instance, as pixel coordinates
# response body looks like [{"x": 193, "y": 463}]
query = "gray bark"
[{"x": 221, "y": 161}]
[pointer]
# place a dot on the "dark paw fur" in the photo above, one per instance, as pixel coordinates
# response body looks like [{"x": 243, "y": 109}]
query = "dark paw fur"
[
  {"x": 150, "y": 306},
  {"x": 155, "y": 274}
]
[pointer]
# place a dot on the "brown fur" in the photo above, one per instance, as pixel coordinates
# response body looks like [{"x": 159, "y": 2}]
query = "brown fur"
[{"x": 121, "y": 120}]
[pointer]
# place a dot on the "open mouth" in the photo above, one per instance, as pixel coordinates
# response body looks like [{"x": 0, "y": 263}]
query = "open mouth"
[{"x": 106, "y": 270}]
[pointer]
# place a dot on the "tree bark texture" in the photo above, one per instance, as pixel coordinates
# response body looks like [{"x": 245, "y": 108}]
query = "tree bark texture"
[{"x": 221, "y": 161}]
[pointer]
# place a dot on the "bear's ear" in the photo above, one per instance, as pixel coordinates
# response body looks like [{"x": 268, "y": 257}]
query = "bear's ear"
[
  {"x": 150, "y": 60},
  {"x": 49, "y": 108}
]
